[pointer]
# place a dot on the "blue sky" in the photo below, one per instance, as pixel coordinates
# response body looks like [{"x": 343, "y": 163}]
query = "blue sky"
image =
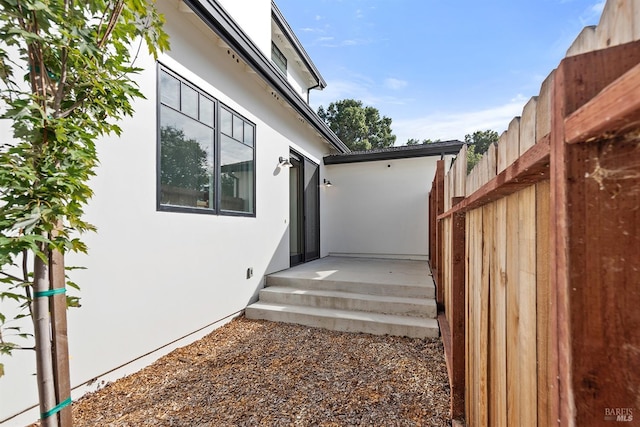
[{"x": 439, "y": 68}]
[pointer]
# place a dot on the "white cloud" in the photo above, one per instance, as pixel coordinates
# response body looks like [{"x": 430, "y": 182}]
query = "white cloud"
[
  {"x": 455, "y": 125},
  {"x": 395, "y": 84},
  {"x": 331, "y": 42}
]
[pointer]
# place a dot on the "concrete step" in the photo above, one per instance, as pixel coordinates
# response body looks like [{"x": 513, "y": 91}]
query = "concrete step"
[
  {"x": 407, "y": 290},
  {"x": 286, "y": 295},
  {"x": 345, "y": 320}
]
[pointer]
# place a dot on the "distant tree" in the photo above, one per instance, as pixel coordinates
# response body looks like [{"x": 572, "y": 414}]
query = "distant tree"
[
  {"x": 477, "y": 144},
  {"x": 413, "y": 141},
  {"x": 183, "y": 162},
  {"x": 359, "y": 127}
]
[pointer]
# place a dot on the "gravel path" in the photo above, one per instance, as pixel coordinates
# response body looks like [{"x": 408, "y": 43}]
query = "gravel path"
[{"x": 259, "y": 373}]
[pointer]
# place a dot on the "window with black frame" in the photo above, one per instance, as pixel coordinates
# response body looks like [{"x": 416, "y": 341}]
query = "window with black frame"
[
  {"x": 278, "y": 58},
  {"x": 236, "y": 162},
  {"x": 192, "y": 175}
]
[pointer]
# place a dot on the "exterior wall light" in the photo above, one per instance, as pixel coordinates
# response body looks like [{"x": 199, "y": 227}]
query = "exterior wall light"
[
  {"x": 327, "y": 183},
  {"x": 284, "y": 162}
]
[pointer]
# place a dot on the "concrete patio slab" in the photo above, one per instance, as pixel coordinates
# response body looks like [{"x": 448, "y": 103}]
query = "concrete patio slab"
[{"x": 369, "y": 270}]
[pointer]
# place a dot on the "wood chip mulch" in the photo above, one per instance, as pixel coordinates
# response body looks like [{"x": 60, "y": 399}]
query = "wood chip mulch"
[{"x": 259, "y": 373}]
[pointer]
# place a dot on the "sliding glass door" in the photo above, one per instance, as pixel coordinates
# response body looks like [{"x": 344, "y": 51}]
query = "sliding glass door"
[{"x": 304, "y": 210}]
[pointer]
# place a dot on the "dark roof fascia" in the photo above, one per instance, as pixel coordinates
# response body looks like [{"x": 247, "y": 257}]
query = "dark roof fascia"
[
  {"x": 428, "y": 150},
  {"x": 214, "y": 15},
  {"x": 293, "y": 39}
]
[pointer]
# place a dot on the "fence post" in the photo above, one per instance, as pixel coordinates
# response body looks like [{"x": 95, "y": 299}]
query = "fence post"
[
  {"x": 439, "y": 207},
  {"x": 457, "y": 312},
  {"x": 595, "y": 245}
]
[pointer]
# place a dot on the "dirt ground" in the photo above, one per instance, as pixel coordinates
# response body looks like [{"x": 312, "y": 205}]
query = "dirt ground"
[{"x": 259, "y": 373}]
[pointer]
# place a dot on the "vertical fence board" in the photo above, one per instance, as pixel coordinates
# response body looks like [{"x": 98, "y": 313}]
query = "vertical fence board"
[
  {"x": 439, "y": 205},
  {"x": 488, "y": 253},
  {"x": 513, "y": 141},
  {"x": 498, "y": 317},
  {"x": 483, "y": 251},
  {"x": 585, "y": 42},
  {"x": 457, "y": 311},
  {"x": 528, "y": 125},
  {"x": 460, "y": 173},
  {"x": 527, "y": 306},
  {"x": 616, "y": 23},
  {"x": 513, "y": 302},
  {"x": 477, "y": 325},
  {"x": 543, "y": 297},
  {"x": 543, "y": 107},
  {"x": 470, "y": 391},
  {"x": 501, "y": 153}
]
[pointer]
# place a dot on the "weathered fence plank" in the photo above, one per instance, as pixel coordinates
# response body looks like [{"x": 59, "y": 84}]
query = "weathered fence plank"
[
  {"x": 513, "y": 301},
  {"x": 528, "y": 125},
  {"x": 544, "y": 305},
  {"x": 498, "y": 317},
  {"x": 527, "y": 306}
]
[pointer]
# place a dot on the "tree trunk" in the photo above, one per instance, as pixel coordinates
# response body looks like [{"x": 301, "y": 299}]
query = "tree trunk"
[
  {"x": 59, "y": 336},
  {"x": 42, "y": 329}
]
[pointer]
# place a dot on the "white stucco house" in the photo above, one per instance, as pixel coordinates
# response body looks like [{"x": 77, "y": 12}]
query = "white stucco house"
[{"x": 195, "y": 203}]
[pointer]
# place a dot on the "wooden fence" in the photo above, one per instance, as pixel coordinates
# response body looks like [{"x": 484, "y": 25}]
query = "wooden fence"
[{"x": 536, "y": 253}]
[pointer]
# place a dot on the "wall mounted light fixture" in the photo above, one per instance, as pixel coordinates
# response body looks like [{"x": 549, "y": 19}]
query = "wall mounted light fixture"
[
  {"x": 284, "y": 162},
  {"x": 327, "y": 183}
]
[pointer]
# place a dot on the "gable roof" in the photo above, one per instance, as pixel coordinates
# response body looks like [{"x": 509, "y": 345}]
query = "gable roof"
[
  {"x": 402, "y": 152},
  {"x": 219, "y": 21}
]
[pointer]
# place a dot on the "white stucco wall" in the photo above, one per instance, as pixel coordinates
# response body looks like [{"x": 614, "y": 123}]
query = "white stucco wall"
[
  {"x": 154, "y": 277},
  {"x": 380, "y": 208}
]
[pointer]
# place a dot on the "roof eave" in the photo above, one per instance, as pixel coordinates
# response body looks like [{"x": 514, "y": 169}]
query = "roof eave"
[{"x": 428, "y": 150}]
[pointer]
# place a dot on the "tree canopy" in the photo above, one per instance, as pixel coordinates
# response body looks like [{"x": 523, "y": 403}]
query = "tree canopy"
[
  {"x": 478, "y": 143},
  {"x": 359, "y": 127}
]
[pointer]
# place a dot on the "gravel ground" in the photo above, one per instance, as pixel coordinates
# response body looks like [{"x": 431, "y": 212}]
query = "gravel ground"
[{"x": 259, "y": 373}]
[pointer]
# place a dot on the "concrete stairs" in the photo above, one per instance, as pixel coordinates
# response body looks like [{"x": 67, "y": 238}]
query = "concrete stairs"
[{"x": 350, "y": 303}]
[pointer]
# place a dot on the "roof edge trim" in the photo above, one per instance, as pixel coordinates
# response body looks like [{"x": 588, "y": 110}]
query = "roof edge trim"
[{"x": 428, "y": 150}]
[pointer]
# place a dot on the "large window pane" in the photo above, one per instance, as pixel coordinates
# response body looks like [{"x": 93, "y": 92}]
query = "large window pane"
[
  {"x": 189, "y": 101},
  {"x": 236, "y": 179},
  {"x": 238, "y": 128},
  {"x": 206, "y": 111},
  {"x": 248, "y": 133},
  {"x": 186, "y": 161},
  {"x": 225, "y": 122},
  {"x": 170, "y": 90}
]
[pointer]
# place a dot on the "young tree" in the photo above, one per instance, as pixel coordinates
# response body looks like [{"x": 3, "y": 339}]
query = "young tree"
[
  {"x": 67, "y": 67},
  {"x": 359, "y": 127},
  {"x": 478, "y": 144}
]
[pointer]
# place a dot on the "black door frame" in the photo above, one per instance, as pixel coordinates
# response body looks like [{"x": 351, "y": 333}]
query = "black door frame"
[{"x": 301, "y": 162}]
